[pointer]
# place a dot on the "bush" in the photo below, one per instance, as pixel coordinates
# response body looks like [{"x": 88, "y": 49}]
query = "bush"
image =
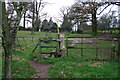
[{"x": 79, "y": 31}]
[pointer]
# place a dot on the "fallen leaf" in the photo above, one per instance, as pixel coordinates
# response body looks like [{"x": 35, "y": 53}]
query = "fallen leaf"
[{"x": 16, "y": 71}]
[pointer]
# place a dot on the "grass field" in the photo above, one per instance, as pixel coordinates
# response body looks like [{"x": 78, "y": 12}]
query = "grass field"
[
  {"x": 73, "y": 66},
  {"x": 0, "y": 64},
  {"x": 77, "y": 35},
  {"x": 27, "y": 34},
  {"x": 77, "y": 66},
  {"x": 0, "y": 58},
  {"x": 112, "y": 31},
  {"x": 20, "y": 65}
]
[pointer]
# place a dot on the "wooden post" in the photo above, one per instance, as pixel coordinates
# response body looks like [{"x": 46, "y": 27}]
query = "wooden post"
[
  {"x": 62, "y": 44},
  {"x": 18, "y": 43},
  {"x": 81, "y": 46},
  {"x": 24, "y": 41},
  {"x": 112, "y": 49},
  {"x": 67, "y": 46},
  {"x": 118, "y": 52},
  {"x": 40, "y": 46},
  {"x": 58, "y": 41},
  {"x": 97, "y": 48},
  {"x": 58, "y": 30}
]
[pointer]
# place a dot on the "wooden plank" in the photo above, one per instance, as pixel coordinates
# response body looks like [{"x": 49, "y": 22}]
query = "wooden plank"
[
  {"x": 79, "y": 48},
  {"x": 48, "y": 52},
  {"x": 73, "y": 48},
  {"x": 19, "y": 37},
  {"x": 40, "y": 46},
  {"x": 83, "y": 43},
  {"x": 95, "y": 37},
  {"x": 48, "y": 46},
  {"x": 53, "y": 51},
  {"x": 50, "y": 40},
  {"x": 81, "y": 37}
]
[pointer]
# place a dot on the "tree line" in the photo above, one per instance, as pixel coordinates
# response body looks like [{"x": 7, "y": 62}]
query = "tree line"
[{"x": 82, "y": 12}]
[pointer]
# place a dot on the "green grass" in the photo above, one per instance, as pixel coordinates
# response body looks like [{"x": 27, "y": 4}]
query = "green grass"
[
  {"x": 77, "y": 35},
  {"x": 27, "y": 34},
  {"x": 77, "y": 66},
  {"x": 113, "y": 31},
  {"x": 21, "y": 67},
  {"x": 73, "y": 66},
  {"x": 1, "y": 53},
  {"x": 83, "y": 70},
  {"x": 0, "y": 63},
  {"x": 26, "y": 43},
  {"x": 106, "y": 44}
]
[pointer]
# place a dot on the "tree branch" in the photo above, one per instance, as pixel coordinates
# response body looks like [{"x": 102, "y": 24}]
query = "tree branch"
[{"x": 103, "y": 9}]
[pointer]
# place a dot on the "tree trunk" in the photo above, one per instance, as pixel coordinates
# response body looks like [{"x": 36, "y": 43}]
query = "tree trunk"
[
  {"x": 118, "y": 52},
  {"x": 33, "y": 21},
  {"x": 119, "y": 34},
  {"x": 94, "y": 22},
  {"x": 6, "y": 43},
  {"x": 8, "y": 62},
  {"x": 1, "y": 39},
  {"x": 24, "y": 20}
]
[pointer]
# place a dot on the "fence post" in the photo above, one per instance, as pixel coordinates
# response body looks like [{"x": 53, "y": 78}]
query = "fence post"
[
  {"x": 24, "y": 41},
  {"x": 62, "y": 44},
  {"x": 40, "y": 46},
  {"x": 81, "y": 46},
  {"x": 112, "y": 49},
  {"x": 18, "y": 43},
  {"x": 57, "y": 46},
  {"x": 97, "y": 48},
  {"x": 67, "y": 46}
]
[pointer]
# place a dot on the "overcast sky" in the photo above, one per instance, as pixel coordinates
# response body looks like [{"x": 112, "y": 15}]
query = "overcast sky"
[{"x": 53, "y": 9}]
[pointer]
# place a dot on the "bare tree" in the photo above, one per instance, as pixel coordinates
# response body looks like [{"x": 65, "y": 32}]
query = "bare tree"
[
  {"x": 24, "y": 16},
  {"x": 35, "y": 8},
  {"x": 9, "y": 32},
  {"x": 6, "y": 42},
  {"x": 65, "y": 14},
  {"x": 79, "y": 15}
]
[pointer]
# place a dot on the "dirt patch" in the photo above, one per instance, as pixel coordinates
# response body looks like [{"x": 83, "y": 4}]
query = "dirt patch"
[
  {"x": 42, "y": 69},
  {"x": 15, "y": 57},
  {"x": 97, "y": 64}
]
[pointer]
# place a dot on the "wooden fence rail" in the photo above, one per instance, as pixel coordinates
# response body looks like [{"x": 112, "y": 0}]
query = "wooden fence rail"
[
  {"x": 22, "y": 38},
  {"x": 81, "y": 41},
  {"x": 54, "y": 52}
]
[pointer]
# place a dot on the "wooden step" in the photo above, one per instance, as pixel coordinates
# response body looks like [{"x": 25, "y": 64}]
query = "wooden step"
[
  {"x": 52, "y": 52},
  {"x": 46, "y": 53},
  {"x": 48, "y": 46},
  {"x": 73, "y": 48},
  {"x": 50, "y": 40},
  {"x": 70, "y": 47},
  {"x": 47, "y": 56}
]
